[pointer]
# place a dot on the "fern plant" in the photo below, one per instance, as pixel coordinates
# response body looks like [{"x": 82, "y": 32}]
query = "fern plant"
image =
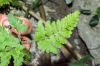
[
  {"x": 17, "y": 23},
  {"x": 10, "y": 47},
  {"x": 7, "y": 2},
  {"x": 50, "y": 37}
]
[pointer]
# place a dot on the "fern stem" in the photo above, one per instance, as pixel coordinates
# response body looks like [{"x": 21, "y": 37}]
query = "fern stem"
[{"x": 73, "y": 52}]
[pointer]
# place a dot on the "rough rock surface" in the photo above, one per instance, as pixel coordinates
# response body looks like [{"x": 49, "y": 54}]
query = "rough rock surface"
[
  {"x": 91, "y": 36},
  {"x": 57, "y": 9}
]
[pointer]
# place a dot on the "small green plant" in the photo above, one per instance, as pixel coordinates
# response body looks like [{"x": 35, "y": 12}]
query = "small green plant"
[
  {"x": 94, "y": 21},
  {"x": 5, "y": 2},
  {"x": 10, "y": 47},
  {"x": 95, "y": 18},
  {"x": 17, "y": 23},
  {"x": 51, "y": 36}
]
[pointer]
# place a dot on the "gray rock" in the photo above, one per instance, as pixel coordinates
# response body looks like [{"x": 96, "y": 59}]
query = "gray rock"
[
  {"x": 58, "y": 9},
  {"x": 77, "y": 41},
  {"x": 91, "y": 36}
]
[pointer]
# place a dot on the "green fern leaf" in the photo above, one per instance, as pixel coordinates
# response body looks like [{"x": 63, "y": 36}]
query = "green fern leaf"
[
  {"x": 51, "y": 36},
  {"x": 5, "y": 2},
  {"x": 10, "y": 47},
  {"x": 18, "y": 57},
  {"x": 5, "y": 56},
  {"x": 17, "y": 23},
  {"x": 40, "y": 34}
]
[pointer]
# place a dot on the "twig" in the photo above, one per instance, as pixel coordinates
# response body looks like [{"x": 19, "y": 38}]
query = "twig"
[
  {"x": 42, "y": 11},
  {"x": 75, "y": 54}
]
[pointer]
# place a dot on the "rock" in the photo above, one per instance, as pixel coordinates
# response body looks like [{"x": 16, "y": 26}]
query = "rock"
[
  {"x": 57, "y": 10},
  {"x": 77, "y": 41},
  {"x": 91, "y": 36}
]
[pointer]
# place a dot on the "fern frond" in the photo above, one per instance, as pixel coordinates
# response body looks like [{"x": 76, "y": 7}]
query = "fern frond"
[
  {"x": 5, "y": 2},
  {"x": 51, "y": 36},
  {"x": 8, "y": 2},
  {"x": 5, "y": 58},
  {"x": 10, "y": 47},
  {"x": 18, "y": 56}
]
